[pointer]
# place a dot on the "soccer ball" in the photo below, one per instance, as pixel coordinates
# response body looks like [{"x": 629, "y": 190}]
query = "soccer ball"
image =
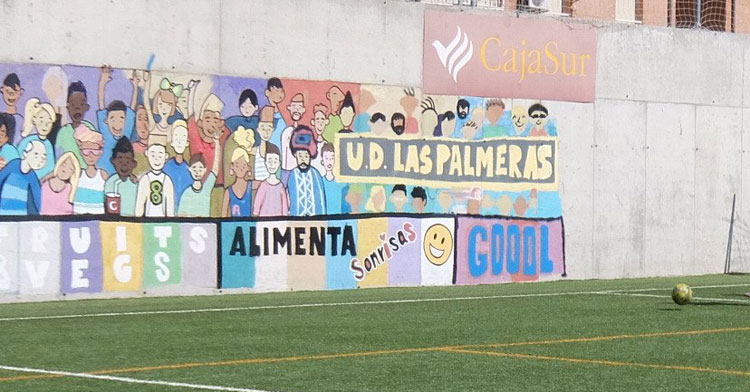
[{"x": 682, "y": 294}]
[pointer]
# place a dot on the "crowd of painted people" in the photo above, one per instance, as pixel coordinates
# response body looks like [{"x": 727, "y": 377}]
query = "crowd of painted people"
[{"x": 154, "y": 157}]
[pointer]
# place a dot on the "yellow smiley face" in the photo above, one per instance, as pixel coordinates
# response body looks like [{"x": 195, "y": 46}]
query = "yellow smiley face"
[{"x": 438, "y": 244}]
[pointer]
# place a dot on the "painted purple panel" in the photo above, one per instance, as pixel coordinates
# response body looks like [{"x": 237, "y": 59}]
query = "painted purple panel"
[
  {"x": 199, "y": 255},
  {"x": 404, "y": 268},
  {"x": 81, "y": 269}
]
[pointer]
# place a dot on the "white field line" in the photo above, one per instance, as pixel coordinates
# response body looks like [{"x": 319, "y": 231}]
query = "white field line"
[
  {"x": 326, "y": 304},
  {"x": 695, "y": 299},
  {"x": 128, "y": 380}
]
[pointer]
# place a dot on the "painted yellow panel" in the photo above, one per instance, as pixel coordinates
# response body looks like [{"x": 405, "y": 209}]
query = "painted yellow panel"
[
  {"x": 122, "y": 256},
  {"x": 368, "y": 242}
]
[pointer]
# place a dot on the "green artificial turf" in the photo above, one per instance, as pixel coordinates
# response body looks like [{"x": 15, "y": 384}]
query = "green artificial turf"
[{"x": 96, "y": 344}]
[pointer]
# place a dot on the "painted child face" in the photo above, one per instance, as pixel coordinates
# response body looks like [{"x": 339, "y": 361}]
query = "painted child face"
[
  {"x": 378, "y": 198},
  {"x": 445, "y": 200},
  {"x": 211, "y": 123},
  {"x": 77, "y": 106},
  {"x": 164, "y": 108},
  {"x": 347, "y": 116},
  {"x": 91, "y": 152},
  {"x": 380, "y": 127},
  {"x": 354, "y": 198},
  {"x": 240, "y": 168},
  {"x": 37, "y": 157},
  {"x": 265, "y": 129},
  {"x": 494, "y": 113},
  {"x": 43, "y": 123},
  {"x": 116, "y": 122},
  {"x": 328, "y": 160},
  {"x": 247, "y": 108},
  {"x": 182, "y": 103},
  {"x": 11, "y": 94},
  {"x": 448, "y": 125},
  {"x": 124, "y": 163},
  {"x": 303, "y": 159},
  {"x": 276, "y": 94},
  {"x": 319, "y": 122},
  {"x": 272, "y": 163},
  {"x": 66, "y": 170},
  {"x": 539, "y": 118},
  {"x": 520, "y": 118},
  {"x": 418, "y": 204},
  {"x": 398, "y": 198},
  {"x": 197, "y": 170},
  {"x": 157, "y": 156},
  {"x": 141, "y": 123},
  {"x": 3, "y": 135},
  {"x": 179, "y": 139}
]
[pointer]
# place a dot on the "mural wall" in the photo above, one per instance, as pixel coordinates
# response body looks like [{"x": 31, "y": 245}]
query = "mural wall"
[{"x": 289, "y": 184}]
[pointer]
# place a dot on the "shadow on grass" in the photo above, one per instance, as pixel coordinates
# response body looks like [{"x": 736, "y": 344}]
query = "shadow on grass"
[{"x": 717, "y": 303}]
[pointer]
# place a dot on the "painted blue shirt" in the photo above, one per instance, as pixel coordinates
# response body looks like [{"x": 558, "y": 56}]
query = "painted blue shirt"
[
  {"x": 306, "y": 193},
  {"x": 333, "y": 196},
  {"x": 278, "y": 129},
  {"x": 240, "y": 206},
  {"x": 20, "y": 193},
  {"x": 110, "y": 140},
  {"x": 180, "y": 176},
  {"x": 8, "y": 152},
  {"x": 362, "y": 123}
]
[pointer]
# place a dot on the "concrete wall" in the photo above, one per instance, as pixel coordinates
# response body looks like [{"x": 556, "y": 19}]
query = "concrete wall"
[{"x": 648, "y": 169}]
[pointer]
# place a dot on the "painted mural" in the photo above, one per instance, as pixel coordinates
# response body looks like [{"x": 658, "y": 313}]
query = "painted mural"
[{"x": 297, "y": 184}]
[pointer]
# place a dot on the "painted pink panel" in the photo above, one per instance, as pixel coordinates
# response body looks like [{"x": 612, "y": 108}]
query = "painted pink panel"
[
  {"x": 495, "y": 250},
  {"x": 508, "y": 57}
]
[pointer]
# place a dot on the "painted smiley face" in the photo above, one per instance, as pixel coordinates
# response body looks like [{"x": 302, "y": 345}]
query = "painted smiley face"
[{"x": 438, "y": 244}]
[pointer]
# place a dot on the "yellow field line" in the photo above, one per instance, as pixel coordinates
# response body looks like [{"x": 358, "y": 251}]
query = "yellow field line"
[
  {"x": 601, "y": 362},
  {"x": 387, "y": 352},
  {"x": 608, "y": 338}
]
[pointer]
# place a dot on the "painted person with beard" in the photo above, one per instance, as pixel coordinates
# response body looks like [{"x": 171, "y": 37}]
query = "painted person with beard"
[
  {"x": 296, "y": 109},
  {"x": 77, "y": 107},
  {"x": 306, "y": 189},
  {"x": 463, "y": 111},
  {"x": 319, "y": 122},
  {"x": 397, "y": 123}
]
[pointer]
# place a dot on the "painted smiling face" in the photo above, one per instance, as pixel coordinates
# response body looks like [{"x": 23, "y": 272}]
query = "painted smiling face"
[{"x": 438, "y": 244}]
